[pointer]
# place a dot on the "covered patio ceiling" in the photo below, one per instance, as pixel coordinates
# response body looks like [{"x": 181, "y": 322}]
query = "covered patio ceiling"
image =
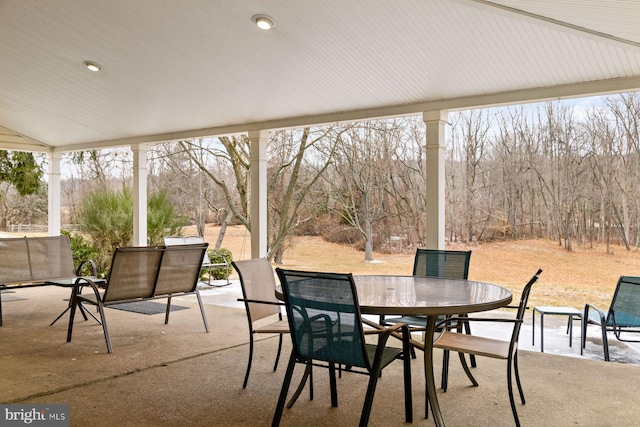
[{"x": 194, "y": 68}]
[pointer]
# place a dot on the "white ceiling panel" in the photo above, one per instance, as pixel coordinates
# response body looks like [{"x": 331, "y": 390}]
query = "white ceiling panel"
[{"x": 201, "y": 67}]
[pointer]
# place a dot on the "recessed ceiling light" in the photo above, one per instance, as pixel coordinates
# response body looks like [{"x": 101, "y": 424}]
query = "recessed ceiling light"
[
  {"x": 264, "y": 22},
  {"x": 92, "y": 66}
]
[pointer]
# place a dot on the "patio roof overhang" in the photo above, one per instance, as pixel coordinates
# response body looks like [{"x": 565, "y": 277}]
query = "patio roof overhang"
[
  {"x": 194, "y": 68},
  {"x": 199, "y": 68}
]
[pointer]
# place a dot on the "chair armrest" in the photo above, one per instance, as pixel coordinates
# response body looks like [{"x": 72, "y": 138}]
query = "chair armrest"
[
  {"x": 257, "y": 301},
  {"x": 92, "y": 263},
  {"x": 599, "y": 319},
  {"x": 474, "y": 319},
  {"x": 385, "y": 333},
  {"x": 384, "y": 336},
  {"x": 84, "y": 281}
]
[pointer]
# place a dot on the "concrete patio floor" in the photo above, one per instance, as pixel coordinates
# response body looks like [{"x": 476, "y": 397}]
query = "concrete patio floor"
[{"x": 177, "y": 375}]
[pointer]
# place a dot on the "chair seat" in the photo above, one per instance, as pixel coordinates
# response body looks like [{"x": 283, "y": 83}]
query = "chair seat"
[
  {"x": 471, "y": 344},
  {"x": 279, "y": 327},
  {"x": 389, "y": 354},
  {"x": 90, "y": 298}
]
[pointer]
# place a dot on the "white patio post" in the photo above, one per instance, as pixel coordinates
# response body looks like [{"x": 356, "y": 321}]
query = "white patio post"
[
  {"x": 258, "y": 193},
  {"x": 435, "y": 178},
  {"x": 54, "y": 193},
  {"x": 140, "y": 194}
]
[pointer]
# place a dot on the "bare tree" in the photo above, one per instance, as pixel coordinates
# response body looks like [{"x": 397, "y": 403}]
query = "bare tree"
[
  {"x": 298, "y": 158},
  {"x": 558, "y": 158},
  {"x": 625, "y": 109},
  {"x": 406, "y": 189},
  {"x": 466, "y": 205},
  {"x": 223, "y": 161},
  {"x": 366, "y": 158}
]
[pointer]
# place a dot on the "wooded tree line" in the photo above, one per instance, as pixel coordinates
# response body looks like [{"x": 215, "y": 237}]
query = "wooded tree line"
[
  {"x": 557, "y": 170},
  {"x": 552, "y": 170}
]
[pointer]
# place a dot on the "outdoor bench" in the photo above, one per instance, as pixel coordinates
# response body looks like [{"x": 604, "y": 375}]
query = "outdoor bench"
[
  {"x": 38, "y": 261},
  {"x": 141, "y": 274}
]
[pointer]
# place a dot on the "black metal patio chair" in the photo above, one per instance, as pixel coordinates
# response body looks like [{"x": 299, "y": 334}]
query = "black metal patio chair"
[
  {"x": 326, "y": 328},
  {"x": 258, "y": 285},
  {"x": 481, "y": 346},
  {"x": 623, "y": 314}
]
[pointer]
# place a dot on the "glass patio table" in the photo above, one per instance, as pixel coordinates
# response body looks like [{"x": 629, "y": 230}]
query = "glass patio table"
[{"x": 431, "y": 297}]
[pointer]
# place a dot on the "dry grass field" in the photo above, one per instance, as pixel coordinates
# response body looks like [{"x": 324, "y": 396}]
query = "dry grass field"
[{"x": 568, "y": 278}]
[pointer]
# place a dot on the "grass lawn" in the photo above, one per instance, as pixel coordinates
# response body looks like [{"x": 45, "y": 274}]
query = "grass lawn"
[{"x": 568, "y": 278}]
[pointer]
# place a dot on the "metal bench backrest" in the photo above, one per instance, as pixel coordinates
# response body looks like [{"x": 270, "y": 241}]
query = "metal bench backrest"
[
  {"x": 133, "y": 273},
  {"x": 149, "y": 272},
  {"x": 35, "y": 259},
  {"x": 180, "y": 268},
  {"x": 188, "y": 240},
  {"x": 625, "y": 305}
]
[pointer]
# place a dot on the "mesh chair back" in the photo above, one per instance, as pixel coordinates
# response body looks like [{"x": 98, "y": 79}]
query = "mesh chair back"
[
  {"x": 258, "y": 283},
  {"x": 441, "y": 263},
  {"x": 133, "y": 273},
  {"x": 36, "y": 258},
  {"x": 625, "y": 305},
  {"x": 324, "y": 317},
  {"x": 180, "y": 269},
  {"x": 524, "y": 298}
]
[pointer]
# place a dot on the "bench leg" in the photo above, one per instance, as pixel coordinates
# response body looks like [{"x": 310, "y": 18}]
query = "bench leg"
[
  {"x": 204, "y": 316},
  {"x": 166, "y": 315},
  {"x": 104, "y": 329}
]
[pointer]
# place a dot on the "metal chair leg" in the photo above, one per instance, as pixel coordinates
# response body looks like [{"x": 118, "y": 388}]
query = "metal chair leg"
[
  {"x": 333, "y": 384},
  {"x": 605, "y": 342},
  {"x": 445, "y": 370},
  {"x": 277, "y": 416},
  {"x": 463, "y": 362},
  {"x": 308, "y": 374},
  {"x": 275, "y": 365},
  {"x": 517, "y": 372},
  {"x": 368, "y": 401},
  {"x": 511, "y": 398},
  {"x": 246, "y": 375},
  {"x": 472, "y": 357}
]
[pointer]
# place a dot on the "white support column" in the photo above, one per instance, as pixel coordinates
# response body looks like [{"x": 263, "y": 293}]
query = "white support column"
[
  {"x": 54, "y": 193},
  {"x": 139, "y": 194},
  {"x": 258, "y": 193},
  {"x": 435, "y": 178}
]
